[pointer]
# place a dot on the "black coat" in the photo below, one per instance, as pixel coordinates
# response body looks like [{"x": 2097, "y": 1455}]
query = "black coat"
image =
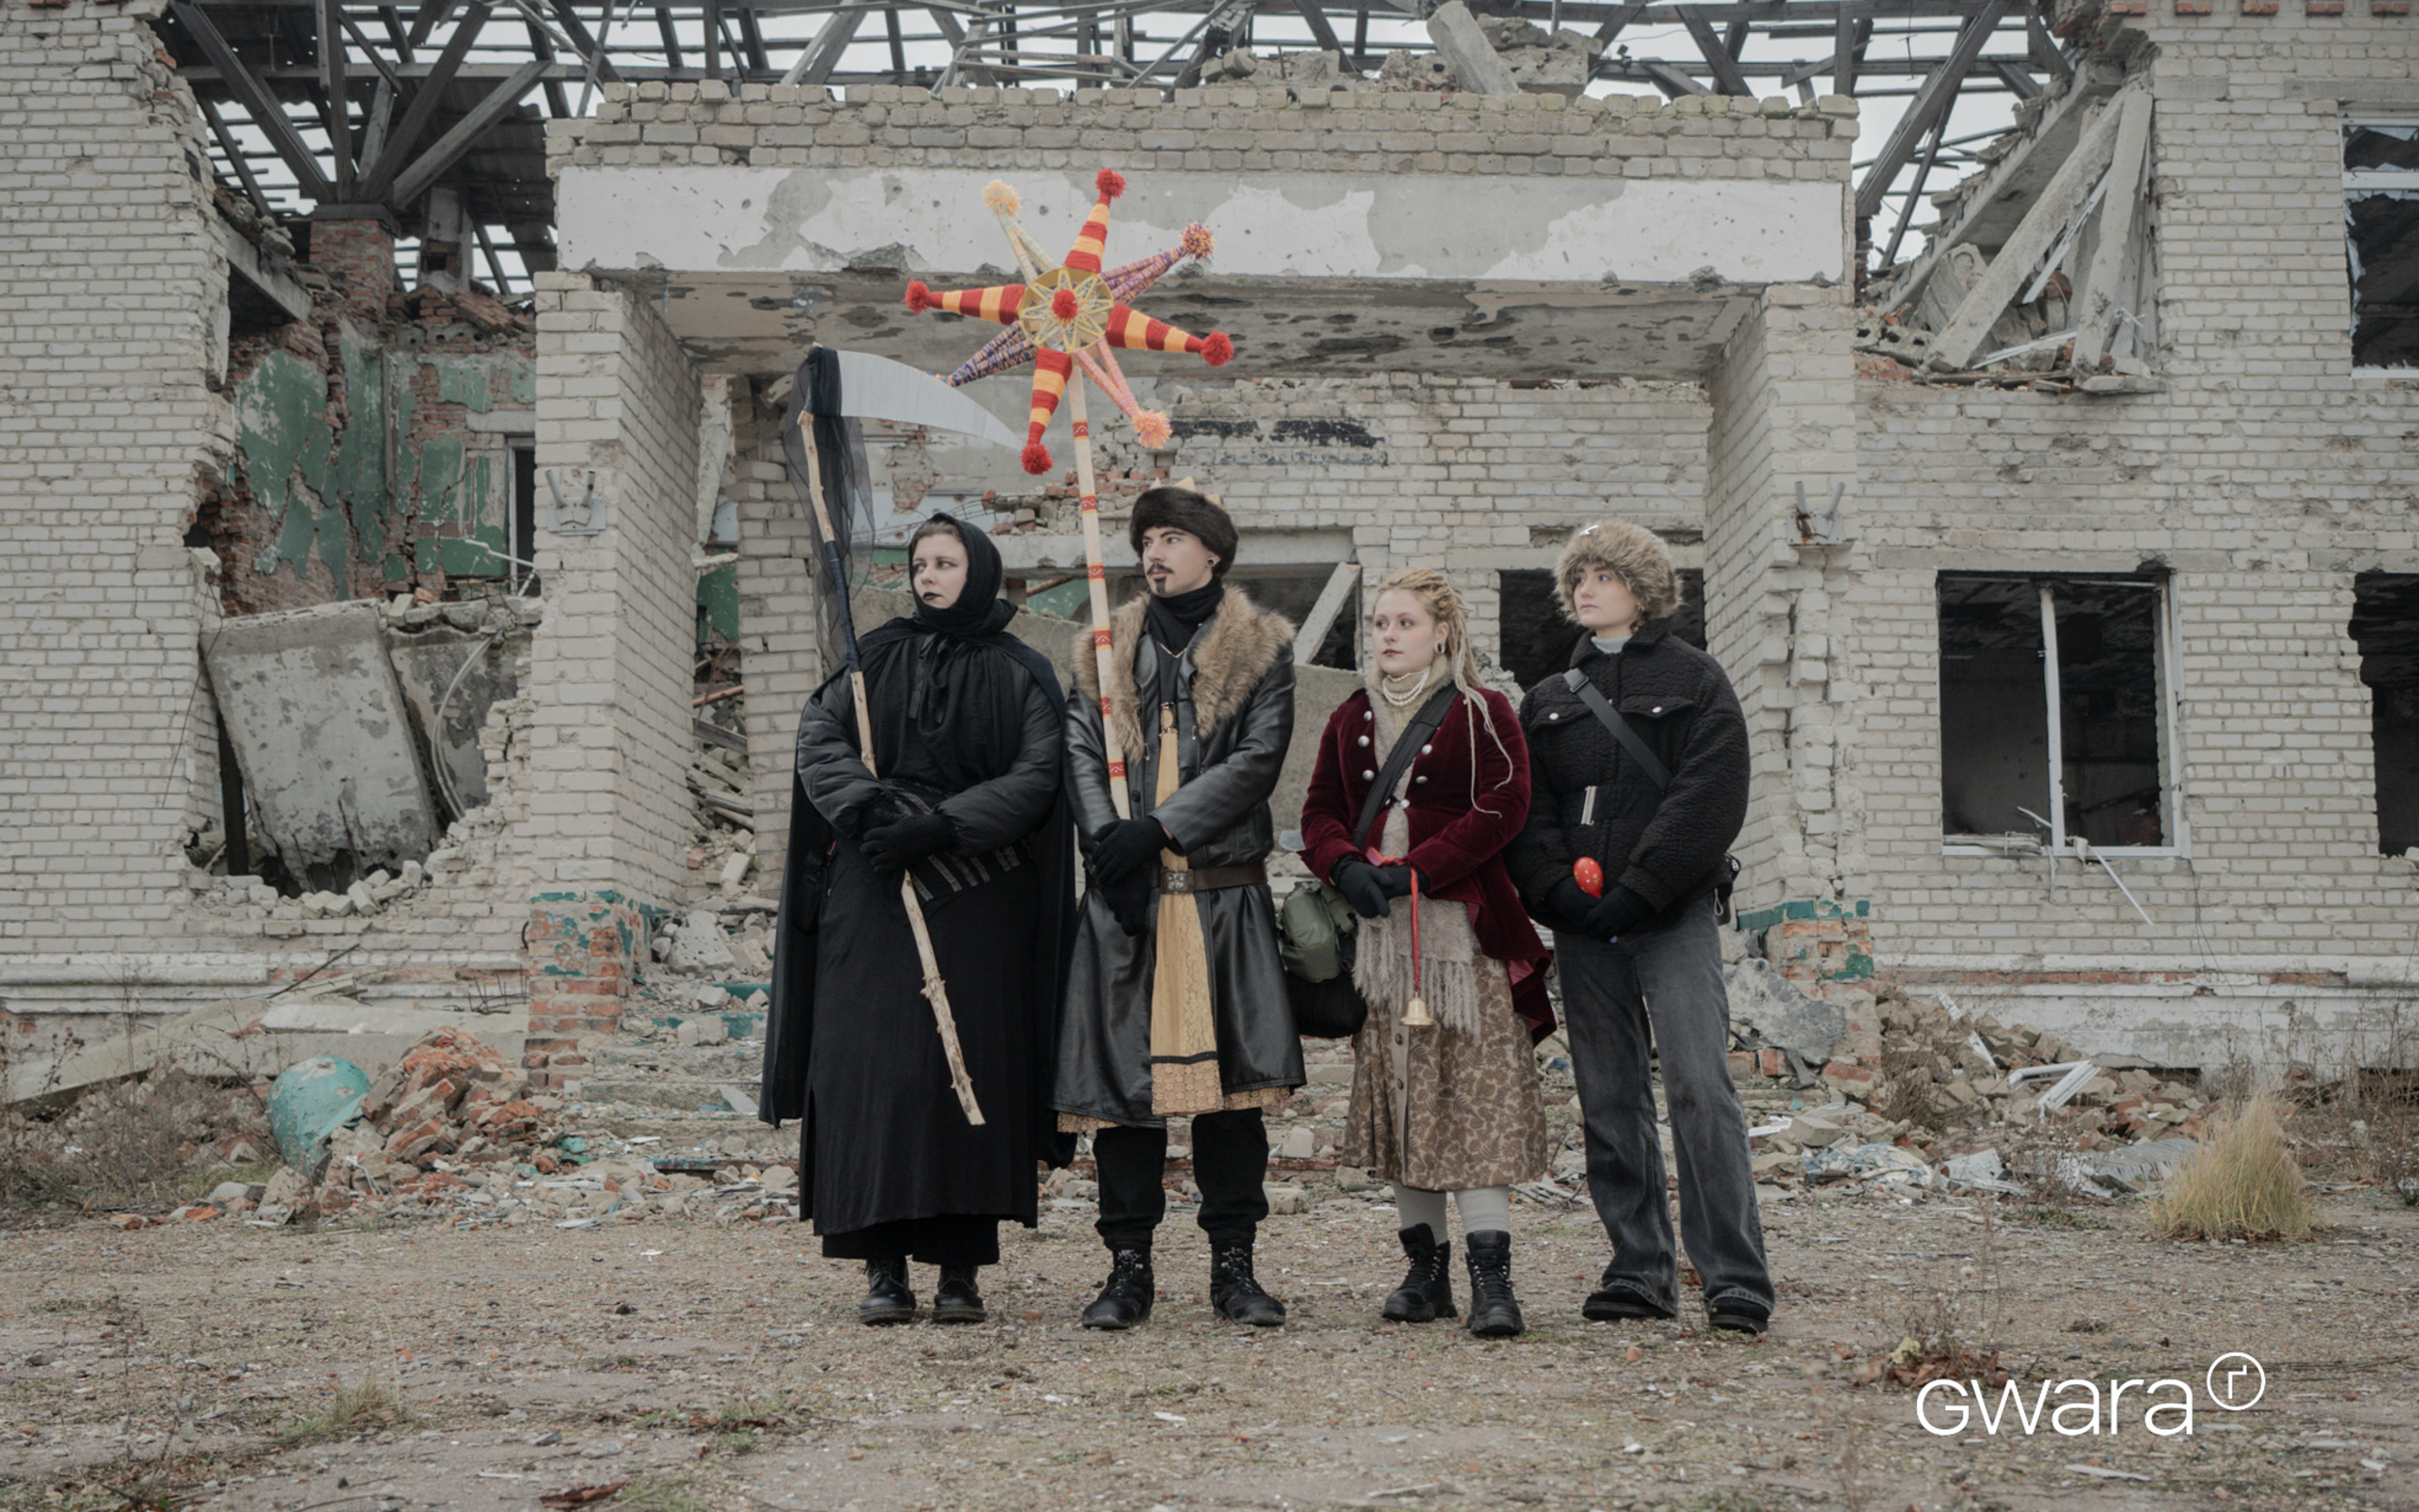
[
  {"x": 851, "y": 1049},
  {"x": 1235, "y": 718},
  {"x": 1666, "y": 845}
]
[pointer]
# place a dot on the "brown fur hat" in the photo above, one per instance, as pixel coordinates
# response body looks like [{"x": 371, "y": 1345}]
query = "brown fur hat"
[
  {"x": 1191, "y": 513},
  {"x": 1634, "y": 554}
]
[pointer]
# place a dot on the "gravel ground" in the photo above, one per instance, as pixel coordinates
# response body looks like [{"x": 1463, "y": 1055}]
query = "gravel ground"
[{"x": 717, "y": 1365}]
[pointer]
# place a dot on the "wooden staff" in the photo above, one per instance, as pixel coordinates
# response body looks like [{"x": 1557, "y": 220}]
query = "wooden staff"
[
  {"x": 935, "y": 990},
  {"x": 1097, "y": 572}
]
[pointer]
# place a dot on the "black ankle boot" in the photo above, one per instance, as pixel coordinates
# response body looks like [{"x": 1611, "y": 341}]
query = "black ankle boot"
[
  {"x": 887, "y": 1300},
  {"x": 1494, "y": 1312},
  {"x": 957, "y": 1300},
  {"x": 1234, "y": 1292},
  {"x": 1426, "y": 1293},
  {"x": 1126, "y": 1299}
]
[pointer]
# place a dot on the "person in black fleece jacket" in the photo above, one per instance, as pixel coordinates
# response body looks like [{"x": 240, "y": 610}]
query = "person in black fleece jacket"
[{"x": 1641, "y": 964}]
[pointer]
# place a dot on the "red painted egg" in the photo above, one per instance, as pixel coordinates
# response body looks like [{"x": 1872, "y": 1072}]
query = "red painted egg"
[{"x": 1588, "y": 876}]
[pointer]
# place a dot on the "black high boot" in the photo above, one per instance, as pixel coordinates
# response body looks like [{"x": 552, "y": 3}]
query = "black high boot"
[
  {"x": 957, "y": 1300},
  {"x": 1426, "y": 1293},
  {"x": 1494, "y": 1312},
  {"x": 1235, "y": 1293},
  {"x": 1126, "y": 1299},
  {"x": 887, "y": 1300}
]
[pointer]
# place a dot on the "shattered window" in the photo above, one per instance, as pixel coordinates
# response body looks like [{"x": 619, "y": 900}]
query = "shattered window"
[
  {"x": 2051, "y": 723},
  {"x": 1534, "y": 640},
  {"x": 2385, "y": 625},
  {"x": 2381, "y": 235}
]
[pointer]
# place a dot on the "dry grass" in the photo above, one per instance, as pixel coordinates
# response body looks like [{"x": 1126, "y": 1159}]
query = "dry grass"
[
  {"x": 364, "y": 1406},
  {"x": 2244, "y": 1183},
  {"x": 133, "y": 1144}
]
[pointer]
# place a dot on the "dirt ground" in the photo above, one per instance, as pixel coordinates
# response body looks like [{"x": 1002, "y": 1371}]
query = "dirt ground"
[{"x": 373, "y": 1369}]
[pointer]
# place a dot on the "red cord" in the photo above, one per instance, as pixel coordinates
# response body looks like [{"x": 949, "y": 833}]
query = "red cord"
[{"x": 1405, "y": 863}]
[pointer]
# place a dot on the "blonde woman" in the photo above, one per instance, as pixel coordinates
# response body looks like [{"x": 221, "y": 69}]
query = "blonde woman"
[{"x": 1452, "y": 1108}]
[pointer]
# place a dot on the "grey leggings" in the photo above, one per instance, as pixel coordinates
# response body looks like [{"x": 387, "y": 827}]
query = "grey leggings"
[{"x": 1484, "y": 1209}]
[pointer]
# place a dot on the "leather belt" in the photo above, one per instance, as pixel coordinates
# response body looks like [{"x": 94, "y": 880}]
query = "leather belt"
[{"x": 1209, "y": 878}]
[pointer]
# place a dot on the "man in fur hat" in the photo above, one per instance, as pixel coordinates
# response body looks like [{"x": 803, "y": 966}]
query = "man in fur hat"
[
  {"x": 1176, "y": 1002},
  {"x": 1655, "y": 805}
]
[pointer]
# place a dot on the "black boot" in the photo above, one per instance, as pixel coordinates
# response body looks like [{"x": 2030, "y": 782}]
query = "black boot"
[
  {"x": 956, "y": 1300},
  {"x": 1610, "y": 1303},
  {"x": 887, "y": 1300},
  {"x": 1494, "y": 1312},
  {"x": 1426, "y": 1293},
  {"x": 1126, "y": 1297},
  {"x": 1234, "y": 1292}
]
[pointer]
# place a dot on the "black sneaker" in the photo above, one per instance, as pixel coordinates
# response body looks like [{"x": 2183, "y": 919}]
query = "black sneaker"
[
  {"x": 1235, "y": 1293},
  {"x": 1738, "y": 1315},
  {"x": 1494, "y": 1312},
  {"x": 1426, "y": 1293},
  {"x": 1610, "y": 1303},
  {"x": 957, "y": 1300},
  {"x": 1126, "y": 1296},
  {"x": 887, "y": 1300}
]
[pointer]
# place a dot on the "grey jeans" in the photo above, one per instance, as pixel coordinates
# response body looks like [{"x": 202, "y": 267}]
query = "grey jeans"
[{"x": 1668, "y": 982}]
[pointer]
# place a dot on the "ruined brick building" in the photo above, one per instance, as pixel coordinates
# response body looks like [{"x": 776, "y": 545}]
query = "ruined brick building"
[{"x": 2067, "y": 568}]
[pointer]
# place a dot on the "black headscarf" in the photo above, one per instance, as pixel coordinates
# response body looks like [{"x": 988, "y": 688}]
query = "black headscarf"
[{"x": 950, "y": 638}]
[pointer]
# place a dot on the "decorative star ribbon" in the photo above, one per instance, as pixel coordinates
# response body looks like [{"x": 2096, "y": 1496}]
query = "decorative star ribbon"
[{"x": 1071, "y": 313}]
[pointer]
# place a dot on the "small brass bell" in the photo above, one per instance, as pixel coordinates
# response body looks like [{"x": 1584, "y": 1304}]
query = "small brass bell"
[{"x": 1417, "y": 1015}]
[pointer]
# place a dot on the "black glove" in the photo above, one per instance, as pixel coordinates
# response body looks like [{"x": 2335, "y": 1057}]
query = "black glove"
[
  {"x": 1126, "y": 849},
  {"x": 1361, "y": 886},
  {"x": 854, "y": 827},
  {"x": 1395, "y": 878},
  {"x": 1616, "y": 913},
  {"x": 1129, "y": 902},
  {"x": 900, "y": 843},
  {"x": 1567, "y": 906}
]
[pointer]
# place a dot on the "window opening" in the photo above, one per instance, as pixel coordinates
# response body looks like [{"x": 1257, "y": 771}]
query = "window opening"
[
  {"x": 2051, "y": 716},
  {"x": 2381, "y": 238},
  {"x": 2385, "y": 625}
]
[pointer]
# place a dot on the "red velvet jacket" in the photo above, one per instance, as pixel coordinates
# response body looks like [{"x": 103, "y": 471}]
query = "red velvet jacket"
[{"x": 1458, "y": 826}]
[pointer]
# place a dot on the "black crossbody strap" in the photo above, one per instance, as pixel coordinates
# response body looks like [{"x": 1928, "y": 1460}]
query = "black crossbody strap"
[
  {"x": 1415, "y": 734},
  {"x": 1610, "y": 717}
]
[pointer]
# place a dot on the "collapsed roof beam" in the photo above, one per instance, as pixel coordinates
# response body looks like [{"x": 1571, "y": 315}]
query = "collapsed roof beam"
[
  {"x": 1718, "y": 57},
  {"x": 257, "y": 102},
  {"x": 426, "y": 98},
  {"x": 1931, "y": 103},
  {"x": 447, "y": 150}
]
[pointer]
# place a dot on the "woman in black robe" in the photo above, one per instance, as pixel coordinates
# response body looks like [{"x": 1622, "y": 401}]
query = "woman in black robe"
[{"x": 968, "y": 734}]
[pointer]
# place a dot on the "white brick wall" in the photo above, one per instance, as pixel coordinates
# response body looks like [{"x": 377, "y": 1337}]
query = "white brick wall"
[{"x": 109, "y": 279}]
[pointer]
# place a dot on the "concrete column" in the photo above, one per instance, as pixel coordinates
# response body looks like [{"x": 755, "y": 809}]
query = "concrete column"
[
  {"x": 610, "y": 666},
  {"x": 1780, "y": 596}
]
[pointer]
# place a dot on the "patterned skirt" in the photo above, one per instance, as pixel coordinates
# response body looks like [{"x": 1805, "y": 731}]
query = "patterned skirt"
[{"x": 1443, "y": 1110}]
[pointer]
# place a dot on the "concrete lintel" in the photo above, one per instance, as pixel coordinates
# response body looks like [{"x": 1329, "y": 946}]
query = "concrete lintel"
[
  {"x": 504, "y": 422},
  {"x": 1321, "y": 550},
  {"x": 1981, "y": 559},
  {"x": 272, "y": 284},
  {"x": 132, "y": 970}
]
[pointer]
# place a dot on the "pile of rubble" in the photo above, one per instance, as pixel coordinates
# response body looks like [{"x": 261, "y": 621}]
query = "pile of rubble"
[{"x": 1969, "y": 1101}]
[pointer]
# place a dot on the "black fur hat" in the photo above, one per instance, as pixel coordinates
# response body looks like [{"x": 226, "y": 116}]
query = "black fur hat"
[{"x": 1182, "y": 508}]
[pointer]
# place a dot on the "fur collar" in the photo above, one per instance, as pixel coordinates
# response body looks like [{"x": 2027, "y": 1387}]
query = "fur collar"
[{"x": 1231, "y": 654}]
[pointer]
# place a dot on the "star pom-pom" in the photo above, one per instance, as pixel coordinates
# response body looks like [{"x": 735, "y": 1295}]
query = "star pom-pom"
[
  {"x": 1151, "y": 428},
  {"x": 999, "y": 199},
  {"x": 1197, "y": 241},
  {"x": 1110, "y": 183},
  {"x": 1216, "y": 348},
  {"x": 1064, "y": 305},
  {"x": 1036, "y": 459},
  {"x": 919, "y": 297}
]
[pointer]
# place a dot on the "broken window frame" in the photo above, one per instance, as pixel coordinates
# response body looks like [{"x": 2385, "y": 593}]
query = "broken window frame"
[
  {"x": 2360, "y": 184},
  {"x": 2166, "y": 660}
]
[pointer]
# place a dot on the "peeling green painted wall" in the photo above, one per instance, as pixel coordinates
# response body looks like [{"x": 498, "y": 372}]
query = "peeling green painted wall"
[{"x": 282, "y": 436}]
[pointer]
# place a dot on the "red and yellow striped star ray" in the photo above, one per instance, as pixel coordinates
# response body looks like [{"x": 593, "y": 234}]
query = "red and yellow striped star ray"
[{"x": 1062, "y": 317}]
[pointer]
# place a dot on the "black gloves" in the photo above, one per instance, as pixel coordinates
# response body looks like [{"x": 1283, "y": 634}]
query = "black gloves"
[
  {"x": 1129, "y": 902},
  {"x": 1616, "y": 913},
  {"x": 1395, "y": 878},
  {"x": 1126, "y": 847},
  {"x": 898, "y": 842},
  {"x": 1362, "y": 885},
  {"x": 855, "y": 827}
]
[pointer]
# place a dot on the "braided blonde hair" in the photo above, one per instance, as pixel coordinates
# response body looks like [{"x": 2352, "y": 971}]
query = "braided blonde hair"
[{"x": 1442, "y": 602}]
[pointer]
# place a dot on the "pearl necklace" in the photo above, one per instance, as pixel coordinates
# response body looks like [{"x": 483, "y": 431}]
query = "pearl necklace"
[{"x": 1386, "y": 685}]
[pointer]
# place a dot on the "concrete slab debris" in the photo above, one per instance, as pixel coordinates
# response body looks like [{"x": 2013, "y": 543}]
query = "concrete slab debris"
[
  {"x": 319, "y": 726},
  {"x": 1781, "y": 1014},
  {"x": 1476, "y": 63}
]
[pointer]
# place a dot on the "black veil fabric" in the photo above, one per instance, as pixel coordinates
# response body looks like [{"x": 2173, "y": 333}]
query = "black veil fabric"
[{"x": 848, "y": 491}]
